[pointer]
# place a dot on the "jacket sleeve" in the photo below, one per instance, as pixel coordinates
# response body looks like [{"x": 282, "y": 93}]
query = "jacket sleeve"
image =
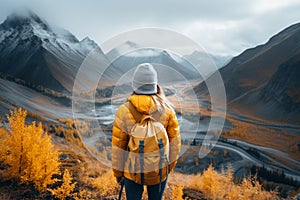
[
  {"x": 119, "y": 142},
  {"x": 174, "y": 138}
]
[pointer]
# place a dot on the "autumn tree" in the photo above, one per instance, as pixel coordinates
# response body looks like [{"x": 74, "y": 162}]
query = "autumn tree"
[
  {"x": 66, "y": 188},
  {"x": 28, "y": 151}
]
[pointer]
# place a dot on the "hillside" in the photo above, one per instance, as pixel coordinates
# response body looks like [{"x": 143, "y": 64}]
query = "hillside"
[
  {"x": 32, "y": 50},
  {"x": 73, "y": 173},
  {"x": 280, "y": 96},
  {"x": 249, "y": 77}
]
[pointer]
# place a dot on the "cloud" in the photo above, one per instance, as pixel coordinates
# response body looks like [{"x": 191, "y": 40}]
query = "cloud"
[
  {"x": 235, "y": 35},
  {"x": 222, "y": 27}
]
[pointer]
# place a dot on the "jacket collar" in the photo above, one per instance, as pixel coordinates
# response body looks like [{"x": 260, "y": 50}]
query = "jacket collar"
[{"x": 143, "y": 103}]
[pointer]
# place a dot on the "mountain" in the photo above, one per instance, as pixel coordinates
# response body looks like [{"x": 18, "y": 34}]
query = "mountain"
[
  {"x": 125, "y": 47},
  {"x": 219, "y": 60},
  {"x": 32, "y": 50},
  {"x": 262, "y": 80},
  {"x": 282, "y": 91},
  {"x": 151, "y": 55},
  {"x": 167, "y": 64},
  {"x": 206, "y": 63},
  {"x": 255, "y": 67}
]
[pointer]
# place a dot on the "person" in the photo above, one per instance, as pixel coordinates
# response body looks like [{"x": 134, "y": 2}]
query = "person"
[{"x": 148, "y": 98}]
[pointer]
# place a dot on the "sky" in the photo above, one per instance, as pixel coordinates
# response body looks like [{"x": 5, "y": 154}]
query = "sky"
[{"x": 221, "y": 27}]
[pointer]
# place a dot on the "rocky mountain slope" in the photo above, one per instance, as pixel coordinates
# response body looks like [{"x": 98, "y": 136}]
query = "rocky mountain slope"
[
  {"x": 262, "y": 80},
  {"x": 32, "y": 50}
]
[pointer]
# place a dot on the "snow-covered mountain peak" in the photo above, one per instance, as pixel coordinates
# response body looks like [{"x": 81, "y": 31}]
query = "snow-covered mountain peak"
[
  {"x": 151, "y": 52},
  {"x": 126, "y": 46},
  {"x": 130, "y": 44},
  {"x": 24, "y": 26},
  {"x": 121, "y": 49},
  {"x": 49, "y": 55},
  {"x": 89, "y": 42},
  {"x": 18, "y": 20}
]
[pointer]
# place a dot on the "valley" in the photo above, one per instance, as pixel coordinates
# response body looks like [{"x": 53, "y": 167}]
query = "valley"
[{"x": 258, "y": 132}]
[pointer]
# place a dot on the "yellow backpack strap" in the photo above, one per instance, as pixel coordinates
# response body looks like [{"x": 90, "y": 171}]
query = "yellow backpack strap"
[{"x": 136, "y": 114}]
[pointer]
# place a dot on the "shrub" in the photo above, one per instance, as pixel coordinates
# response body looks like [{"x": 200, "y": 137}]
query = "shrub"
[
  {"x": 28, "y": 152},
  {"x": 66, "y": 188},
  {"x": 106, "y": 184},
  {"x": 216, "y": 185}
]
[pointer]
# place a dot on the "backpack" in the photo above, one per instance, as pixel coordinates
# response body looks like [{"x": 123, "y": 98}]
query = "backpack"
[{"x": 148, "y": 147}]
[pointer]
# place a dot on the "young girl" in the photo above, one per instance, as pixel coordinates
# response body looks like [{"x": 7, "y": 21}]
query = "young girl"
[{"x": 147, "y": 99}]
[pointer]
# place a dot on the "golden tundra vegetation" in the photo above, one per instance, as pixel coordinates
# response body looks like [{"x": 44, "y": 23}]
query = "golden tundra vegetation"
[
  {"x": 45, "y": 161},
  {"x": 264, "y": 136}
]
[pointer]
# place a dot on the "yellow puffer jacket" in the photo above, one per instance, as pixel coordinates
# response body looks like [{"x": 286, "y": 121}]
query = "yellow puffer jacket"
[{"x": 123, "y": 123}]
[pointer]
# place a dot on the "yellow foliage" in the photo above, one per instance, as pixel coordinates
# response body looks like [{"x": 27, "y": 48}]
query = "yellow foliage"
[
  {"x": 106, "y": 184},
  {"x": 67, "y": 187},
  {"x": 224, "y": 152},
  {"x": 252, "y": 189},
  {"x": 83, "y": 195},
  {"x": 176, "y": 192},
  {"x": 29, "y": 152},
  {"x": 3, "y": 134},
  {"x": 196, "y": 161},
  {"x": 176, "y": 183},
  {"x": 211, "y": 183},
  {"x": 216, "y": 185}
]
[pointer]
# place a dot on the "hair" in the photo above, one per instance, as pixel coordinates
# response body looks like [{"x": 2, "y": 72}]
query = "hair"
[{"x": 160, "y": 100}]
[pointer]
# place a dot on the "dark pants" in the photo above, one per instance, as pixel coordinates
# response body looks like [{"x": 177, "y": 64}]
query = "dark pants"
[{"x": 134, "y": 191}]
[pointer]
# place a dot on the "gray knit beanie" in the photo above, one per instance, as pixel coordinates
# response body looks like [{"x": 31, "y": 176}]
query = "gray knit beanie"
[{"x": 145, "y": 79}]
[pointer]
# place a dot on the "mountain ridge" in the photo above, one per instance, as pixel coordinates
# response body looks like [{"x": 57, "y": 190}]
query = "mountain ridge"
[
  {"x": 247, "y": 75},
  {"x": 31, "y": 50}
]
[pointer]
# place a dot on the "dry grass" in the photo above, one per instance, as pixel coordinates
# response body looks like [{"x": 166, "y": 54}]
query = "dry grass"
[
  {"x": 90, "y": 174},
  {"x": 4, "y": 196},
  {"x": 216, "y": 185},
  {"x": 173, "y": 192},
  {"x": 282, "y": 140},
  {"x": 108, "y": 187},
  {"x": 106, "y": 184},
  {"x": 36, "y": 116},
  {"x": 262, "y": 136},
  {"x": 213, "y": 185}
]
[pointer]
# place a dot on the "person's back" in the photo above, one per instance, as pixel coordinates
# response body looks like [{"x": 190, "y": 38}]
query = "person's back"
[{"x": 147, "y": 100}]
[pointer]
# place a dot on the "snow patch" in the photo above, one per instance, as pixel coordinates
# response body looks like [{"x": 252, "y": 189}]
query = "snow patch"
[
  {"x": 4, "y": 34},
  {"x": 144, "y": 53}
]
